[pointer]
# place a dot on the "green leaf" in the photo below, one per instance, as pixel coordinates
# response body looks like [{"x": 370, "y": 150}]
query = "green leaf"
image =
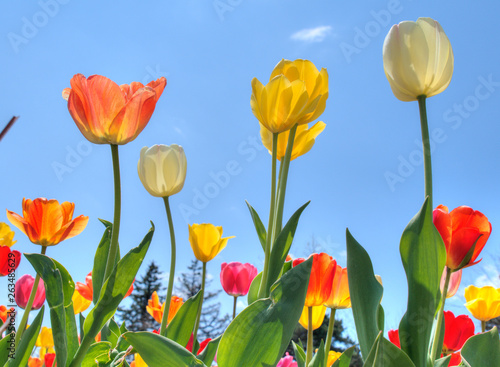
[
  {"x": 5, "y": 348},
  {"x": 443, "y": 362},
  {"x": 158, "y": 351},
  {"x": 345, "y": 359},
  {"x": 282, "y": 245},
  {"x": 181, "y": 327},
  {"x": 115, "y": 288},
  {"x": 259, "y": 227},
  {"x": 27, "y": 343},
  {"x": 300, "y": 355},
  {"x": 110, "y": 332},
  {"x": 253, "y": 292},
  {"x": 386, "y": 354},
  {"x": 259, "y": 335},
  {"x": 423, "y": 255},
  {"x": 366, "y": 294},
  {"x": 82, "y": 322},
  {"x": 319, "y": 358},
  {"x": 95, "y": 351},
  {"x": 54, "y": 292},
  {"x": 100, "y": 260},
  {"x": 208, "y": 354},
  {"x": 482, "y": 350}
]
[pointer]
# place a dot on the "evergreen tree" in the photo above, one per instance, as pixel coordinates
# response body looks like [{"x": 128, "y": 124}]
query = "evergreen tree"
[
  {"x": 136, "y": 317},
  {"x": 212, "y": 324}
]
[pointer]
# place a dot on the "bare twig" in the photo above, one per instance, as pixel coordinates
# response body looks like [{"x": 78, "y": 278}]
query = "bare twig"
[{"x": 9, "y": 125}]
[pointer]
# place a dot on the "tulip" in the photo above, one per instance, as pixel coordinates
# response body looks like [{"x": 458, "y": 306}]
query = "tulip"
[
  {"x": 339, "y": 297},
  {"x": 454, "y": 283},
  {"x": 287, "y": 361},
  {"x": 9, "y": 260},
  {"x": 394, "y": 337},
  {"x": 303, "y": 141},
  {"x": 461, "y": 229},
  {"x": 162, "y": 169},
  {"x": 49, "y": 359},
  {"x": 23, "y": 288},
  {"x": 45, "y": 338},
  {"x": 483, "y": 303},
  {"x": 296, "y": 94},
  {"x": 138, "y": 361},
  {"x": 80, "y": 303},
  {"x": 4, "y": 313},
  {"x": 46, "y": 222},
  {"x": 456, "y": 359},
  {"x": 156, "y": 309},
  {"x": 206, "y": 241},
  {"x": 457, "y": 330},
  {"x": 106, "y": 113},
  {"x": 203, "y": 344},
  {"x": 35, "y": 362},
  {"x": 418, "y": 59},
  {"x": 236, "y": 278},
  {"x": 332, "y": 357},
  {"x": 87, "y": 291},
  {"x": 321, "y": 279},
  {"x": 318, "y": 315},
  {"x": 6, "y": 235}
]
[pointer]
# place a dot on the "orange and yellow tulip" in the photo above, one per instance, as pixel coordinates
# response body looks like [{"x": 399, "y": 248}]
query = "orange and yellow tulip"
[
  {"x": 332, "y": 357},
  {"x": 206, "y": 241},
  {"x": 318, "y": 315},
  {"x": 483, "y": 303},
  {"x": 87, "y": 290},
  {"x": 46, "y": 222},
  {"x": 35, "y": 362},
  {"x": 156, "y": 309},
  {"x": 339, "y": 297},
  {"x": 80, "y": 303},
  {"x": 106, "y": 113}
]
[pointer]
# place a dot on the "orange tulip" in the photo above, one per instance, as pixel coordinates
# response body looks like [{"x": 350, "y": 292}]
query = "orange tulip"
[
  {"x": 80, "y": 303},
  {"x": 321, "y": 279},
  {"x": 46, "y": 222},
  {"x": 460, "y": 230},
  {"x": 156, "y": 309},
  {"x": 35, "y": 362},
  {"x": 87, "y": 291},
  {"x": 339, "y": 296},
  {"x": 107, "y": 113}
]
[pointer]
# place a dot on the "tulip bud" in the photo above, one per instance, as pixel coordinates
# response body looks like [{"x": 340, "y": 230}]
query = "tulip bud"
[
  {"x": 23, "y": 290},
  {"x": 162, "y": 169},
  {"x": 418, "y": 59},
  {"x": 206, "y": 241}
]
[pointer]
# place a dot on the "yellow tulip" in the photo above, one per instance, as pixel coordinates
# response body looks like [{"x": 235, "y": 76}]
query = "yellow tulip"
[
  {"x": 483, "y": 303},
  {"x": 162, "y": 169},
  {"x": 418, "y": 59},
  {"x": 206, "y": 241},
  {"x": 80, "y": 303},
  {"x": 303, "y": 142},
  {"x": 339, "y": 296},
  {"x": 332, "y": 357},
  {"x": 138, "y": 361},
  {"x": 318, "y": 315},
  {"x": 45, "y": 339},
  {"x": 6, "y": 235}
]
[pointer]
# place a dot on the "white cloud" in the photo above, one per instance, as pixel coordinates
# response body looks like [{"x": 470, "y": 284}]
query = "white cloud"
[{"x": 317, "y": 34}]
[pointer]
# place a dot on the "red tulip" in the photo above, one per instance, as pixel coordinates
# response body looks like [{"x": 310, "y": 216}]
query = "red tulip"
[
  {"x": 460, "y": 230},
  {"x": 23, "y": 288},
  {"x": 394, "y": 337},
  {"x": 49, "y": 359},
  {"x": 456, "y": 331},
  {"x": 456, "y": 359},
  {"x": 9, "y": 260},
  {"x": 236, "y": 278},
  {"x": 203, "y": 344}
]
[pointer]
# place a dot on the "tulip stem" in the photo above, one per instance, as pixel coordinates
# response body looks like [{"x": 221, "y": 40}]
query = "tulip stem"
[
  {"x": 483, "y": 326},
  {"x": 309, "y": 350},
  {"x": 270, "y": 226},
  {"x": 234, "y": 306},
  {"x": 436, "y": 348},
  {"x": 329, "y": 335},
  {"x": 29, "y": 305},
  {"x": 163, "y": 328},
  {"x": 113, "y": 247},
  {"x": 426, "y": 147},
  {"x": 197, "y": 324}
]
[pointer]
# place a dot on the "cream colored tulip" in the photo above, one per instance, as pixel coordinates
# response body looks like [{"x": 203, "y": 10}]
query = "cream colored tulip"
[
  {"x": 418, "y": 59},
  {"x": 162, "y": 169}
]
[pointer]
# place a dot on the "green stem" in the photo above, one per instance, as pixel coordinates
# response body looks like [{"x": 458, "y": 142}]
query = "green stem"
[
  {"x": 197, "y": 324},
  {"x": 270, "y": 226},
  {"x": 329, "y": 335},
  {"x": 82, "y": 351},
  {"x": 234, "y": 306},
  {"x": 309, "y": 350},
  {"x": 483, "y": 326},
  {"x": 163, "y": 328},
  {"x": 426, "y": 147},
  {"x": 437, "y": 335},
  {"x": 29, "y": 305},
  {"x": 113, "y": 247}
]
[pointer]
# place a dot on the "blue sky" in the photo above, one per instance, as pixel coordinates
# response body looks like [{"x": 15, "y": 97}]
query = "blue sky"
[{"x": 364, "y": 172}]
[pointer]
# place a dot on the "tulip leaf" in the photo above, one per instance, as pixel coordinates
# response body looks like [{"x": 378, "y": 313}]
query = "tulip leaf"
[
  {"x": 208, "y": 354},
  {"x": 386, "y": 354},
  {"x": 100, "y": 260},
  {"x": 95, "y": 350},
  {"x": 366, "y": 294},
  {"x": 300, "y": 355},
  {"x": 281, "y": 247},
  {"x": 259, "y": 226},
  {"x": 423, "y": 255},
  {"x": 443, "y": 362},
  {"x": 82, "y": 322},
  {"x": 345, "y": 359},
  {"x": 5, "y": 347},
  {"x": 319, "y": 358},
  {"x": 482, "y": 350},
  {"x": 181, "y": 327},
  {"x": 260, "y": 334},
  {"x": 158, "y": 351},
  {"x": 27, "y": 343},
  {"x": 114, "y": 289},
  {"x": 110, "y": 332},
  {"x": 253, "y": 291}
]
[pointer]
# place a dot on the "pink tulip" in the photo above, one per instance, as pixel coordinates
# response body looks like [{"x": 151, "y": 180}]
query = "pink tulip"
[
  {"x": 287, "y": 362},
  {"x": 236, "y": 278},
  {"x": 455, "y": 279},
  {"x": 23, "y": 290}
]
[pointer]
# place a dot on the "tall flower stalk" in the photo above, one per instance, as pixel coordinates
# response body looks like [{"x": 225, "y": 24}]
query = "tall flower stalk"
[{"x": 163, "y": 328}]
